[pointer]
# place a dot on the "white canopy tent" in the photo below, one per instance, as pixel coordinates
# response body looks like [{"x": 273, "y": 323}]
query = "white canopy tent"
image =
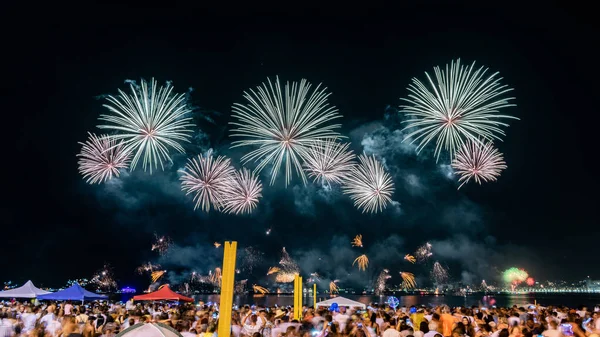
[
  {"x": 28, "y": 290},
  {"x": 341, "y": 302},
  {"x": 149, "y": 330}
]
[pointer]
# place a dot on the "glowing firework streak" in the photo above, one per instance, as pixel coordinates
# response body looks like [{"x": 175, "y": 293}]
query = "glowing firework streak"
[
  {"x": 217, "y": 245},
  {"x": 482, "y": 162},
  {"x": 283, "y": 126},
  {"x": 410, "y": 258},
  {"x": 101, "y": 158},
  {"x": 150, "y": 122},
  {"x": 460, "y": 105},
  {"x": 161, "y": 244},
  {"x": 357, "y": 242},
  {"x": 369, "y": 185},
  {"x": 333, "y": 287},
  {"x": 273, "y": 270},
  {"x": 424, "y": 252},
  {"x": 207, "y": 178},
  {"x": 242, "y": 193},
  {"x": 380, "y": 283},
  {"x": 157, "y": 275},
  {"x": 329, "y": 161},
  {"x": 530, "y": 281},
  {"x": 362, "y": 261},
  {"x": 260, "y": 290},
  {"x": 439, "y": 273},
  {"x": 408, "y": 280}
]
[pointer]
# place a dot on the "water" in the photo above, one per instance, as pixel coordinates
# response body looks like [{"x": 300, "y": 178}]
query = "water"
[{"x": 501, "y": 300}]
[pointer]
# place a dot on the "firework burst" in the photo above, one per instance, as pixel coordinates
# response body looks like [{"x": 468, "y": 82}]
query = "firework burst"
[
  {"x": 208, "y": 179},
  {"x": 216, "y": 244},
  {"x": 288, "y": 270},
  {"x": 252, "y": 257},
  {"x": 460, "y": 105},
  {"x": 314, "y": 277},
  {"x": 101, "y": 158},
  {"x": 147, "y": 268},
  {"x": 240, "y": 286},
  {"x": 283, "y": 125},
  {"x": 242, "y": 193},
  {"x": 357, "y": 242},
  {"x": 333, "y": 287},
  {"x": 369, "y": 185},
  {"x": 259, "y": 290},
  {"x": 479, "y": 161},
  {"x": 215, "y": 278},
  {"x": 439, "y": 274},
  {"x": 408, "y": 280},
  {"x": 380, "y": 283},
  {"x": 329, "y": 161},
  {"x": 410, "y": 258},
  {"x": 423, "y": 253},
  {"x": 103, "y": 279},
  {"x": 150, "y": 121},
  {"x": 362, "y": 262},
  {"x": 161, "y": 244},
  {"x": 515, "y": 276}
]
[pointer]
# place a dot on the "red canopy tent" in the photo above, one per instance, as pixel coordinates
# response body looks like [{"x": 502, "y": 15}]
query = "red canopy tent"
[{"x": 164, "y": 293}]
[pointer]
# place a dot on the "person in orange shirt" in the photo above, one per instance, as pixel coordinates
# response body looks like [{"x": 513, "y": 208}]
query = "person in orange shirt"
[{"x": 447, "y": 321}]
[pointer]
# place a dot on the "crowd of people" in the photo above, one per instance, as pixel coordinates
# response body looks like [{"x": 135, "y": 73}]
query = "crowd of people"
[{"x": 66, "y": 319}]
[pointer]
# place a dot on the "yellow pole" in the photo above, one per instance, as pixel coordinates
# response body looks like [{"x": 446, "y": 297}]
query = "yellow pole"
[
  {"x": 227, "y": 284},
  {"x": 297, "y": 297},
  {"x": 315, "y": 296}
]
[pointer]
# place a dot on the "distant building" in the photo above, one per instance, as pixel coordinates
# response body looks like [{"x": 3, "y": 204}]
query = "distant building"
[{"x": 593, "y": 285}]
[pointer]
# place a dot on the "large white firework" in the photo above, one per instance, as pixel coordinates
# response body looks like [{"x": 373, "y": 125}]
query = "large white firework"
[
  {"x": 283, "y": 125},
  {"x": 242, "y": 193},
  {"x": 460, "y": 104},
  {"x": 369, "y": 185},
  {"x": 101, "y": 158},
  {"x": 208, "y": 179},
  {"x": 477, "y": 160},
  {"x": 329, "y": 161},
  {"x": 151, "y": 121}
]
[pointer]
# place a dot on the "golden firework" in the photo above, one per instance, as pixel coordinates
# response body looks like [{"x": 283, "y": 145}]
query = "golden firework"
[
  {"x": 408, "y": 280},
  {"x": 259, "y": 289},
  {"x": 157, "y": 274},
  {"x": 285, "y": 277},
  {"x": 363, "y": 262},
  {"x": 217, "y": 245},
  {"x": 333, "y": 288},
  {"x": 357, "y": 242},
  {"x": 410, "y": 258},
  {"x": 273, "y": 270},
  {"x": 215, "y": 278}
]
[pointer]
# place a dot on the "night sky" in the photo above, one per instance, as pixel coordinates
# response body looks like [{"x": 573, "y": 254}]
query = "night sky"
[{"x": 541, "y": 215}]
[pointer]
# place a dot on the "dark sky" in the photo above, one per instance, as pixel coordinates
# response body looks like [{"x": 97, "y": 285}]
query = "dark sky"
[{"x": 540, "y": 215}]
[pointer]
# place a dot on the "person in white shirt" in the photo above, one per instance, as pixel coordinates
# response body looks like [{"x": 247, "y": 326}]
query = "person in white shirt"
[
  {"x": 391, "y": 331},
  {"x": 29, "y": 320},
  {"x": 432, "y": 330},
  {"x": 68, "y": 308},
  {"x": 342, "y": 318},
  {"x": 6, "y": 326},
  {"x": 552, "y": 331}
]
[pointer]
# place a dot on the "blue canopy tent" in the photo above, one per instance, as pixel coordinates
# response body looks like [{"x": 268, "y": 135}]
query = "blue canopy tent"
[{"x": 75, "y": 293}]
